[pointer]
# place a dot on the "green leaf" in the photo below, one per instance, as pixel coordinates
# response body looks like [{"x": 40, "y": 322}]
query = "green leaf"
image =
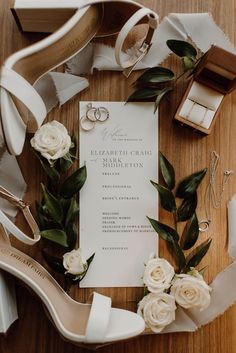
[
  {"x": 74, "y": 183},
  {"x": 190, "y": 233},
  {"x": 67, "y": 157},
  {"x": 160, "y": 95},
  {"x": 73, "y": 149},
  {"x": 182, "y": 48},
  {"x": 187, "y": 208},
  {"x": 44, "y": 210},
  {"x": 195, "y": 257},
  {"x": 42, "y": 219},
  {"x": 165, "y": 232},
  {"x": 143, "y": 93},
  {"x": 73, "y": 211},
  {"x": 189, "y": 185},
  {"x": 188, "y": 63},
  {"x": 72, "y": 235},
  {"x": 51, "y": 172},
  {"x": 90, "y": 259},
  {"x": 156, "y": 75},
  {"x": 65, "y": 204},
  {"x": 56, "y": 263},
  {"x": 55, "y": 235},
  {"x": 53, "y": 205},
  {"x": 167, "y": 171},
  {"x": 196, "y": 65},
  {"x": 167, "y": 198},
  {"x": 180, "y": 258},
  {"x": 65, "y": 163}
]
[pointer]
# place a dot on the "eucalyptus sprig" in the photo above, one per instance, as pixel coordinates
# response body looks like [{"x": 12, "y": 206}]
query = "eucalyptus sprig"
[
  {"x": 183, "y": 211},
  {"x": 58, "y": 210},
  {"x": 155, "y": 83}
]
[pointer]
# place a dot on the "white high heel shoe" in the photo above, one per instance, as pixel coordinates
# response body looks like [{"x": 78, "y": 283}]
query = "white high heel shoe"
[
  {"x": 88, "y": 323},
  {"x": 85, "y": 20}
]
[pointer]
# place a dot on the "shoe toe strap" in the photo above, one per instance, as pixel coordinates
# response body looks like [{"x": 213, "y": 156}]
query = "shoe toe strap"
[
  {"x": 98, "y": 321},
  {"x": 142, "y": 51},
  {"x": 19, "y": 87}
]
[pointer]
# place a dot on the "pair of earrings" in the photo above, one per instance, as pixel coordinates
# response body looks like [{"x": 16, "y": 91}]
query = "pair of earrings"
[{"x": 92, "y": 116}]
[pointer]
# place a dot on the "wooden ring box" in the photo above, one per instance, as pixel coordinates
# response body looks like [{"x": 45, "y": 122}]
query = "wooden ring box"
[{"x": 213, "y": 80}]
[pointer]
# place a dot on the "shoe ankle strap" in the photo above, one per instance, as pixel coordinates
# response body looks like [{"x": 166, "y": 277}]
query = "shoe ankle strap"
[
  {"x": 24, "y": 208},
  {"x": 145, "y": 46}
]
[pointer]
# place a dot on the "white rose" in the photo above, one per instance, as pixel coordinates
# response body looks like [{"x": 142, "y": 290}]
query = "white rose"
[
  {"x": 74, "y": 263},
  {"x": 157, "y": 310},
  {"x": 191, "y": 291},
  {"x": 158, "y": 275},
  {"x": 51, "y": 140}
]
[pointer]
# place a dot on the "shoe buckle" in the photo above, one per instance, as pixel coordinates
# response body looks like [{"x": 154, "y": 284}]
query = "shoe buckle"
[
  {"x": 21, "y": 204},
  {"x": 142, "y": 51}
]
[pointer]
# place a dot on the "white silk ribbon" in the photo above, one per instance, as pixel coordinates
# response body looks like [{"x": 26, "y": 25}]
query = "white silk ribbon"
[{"x": 200, "y": 27}]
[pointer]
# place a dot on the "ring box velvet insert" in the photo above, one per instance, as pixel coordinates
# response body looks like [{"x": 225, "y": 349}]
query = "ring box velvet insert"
[{"x": 215, "y": 77}]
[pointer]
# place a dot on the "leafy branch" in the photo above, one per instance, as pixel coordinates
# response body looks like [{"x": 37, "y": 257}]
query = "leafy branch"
[
  {"x": 58, "y": 210},
  {"x": 155, "y": 83},
  {"x": 186, "y": 190}
]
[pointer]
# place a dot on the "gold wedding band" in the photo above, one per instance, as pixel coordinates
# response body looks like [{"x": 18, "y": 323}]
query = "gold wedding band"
[
  {"x": 86, "y": 124},
  {"x": 93, "y": 115}
]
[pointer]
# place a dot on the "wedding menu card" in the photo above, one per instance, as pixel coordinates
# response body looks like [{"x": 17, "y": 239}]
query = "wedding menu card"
[{"x": 121, "y": 157}]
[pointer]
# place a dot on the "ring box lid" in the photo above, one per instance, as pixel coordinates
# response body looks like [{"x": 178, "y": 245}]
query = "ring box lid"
[{"x": 217, "y": 70}]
